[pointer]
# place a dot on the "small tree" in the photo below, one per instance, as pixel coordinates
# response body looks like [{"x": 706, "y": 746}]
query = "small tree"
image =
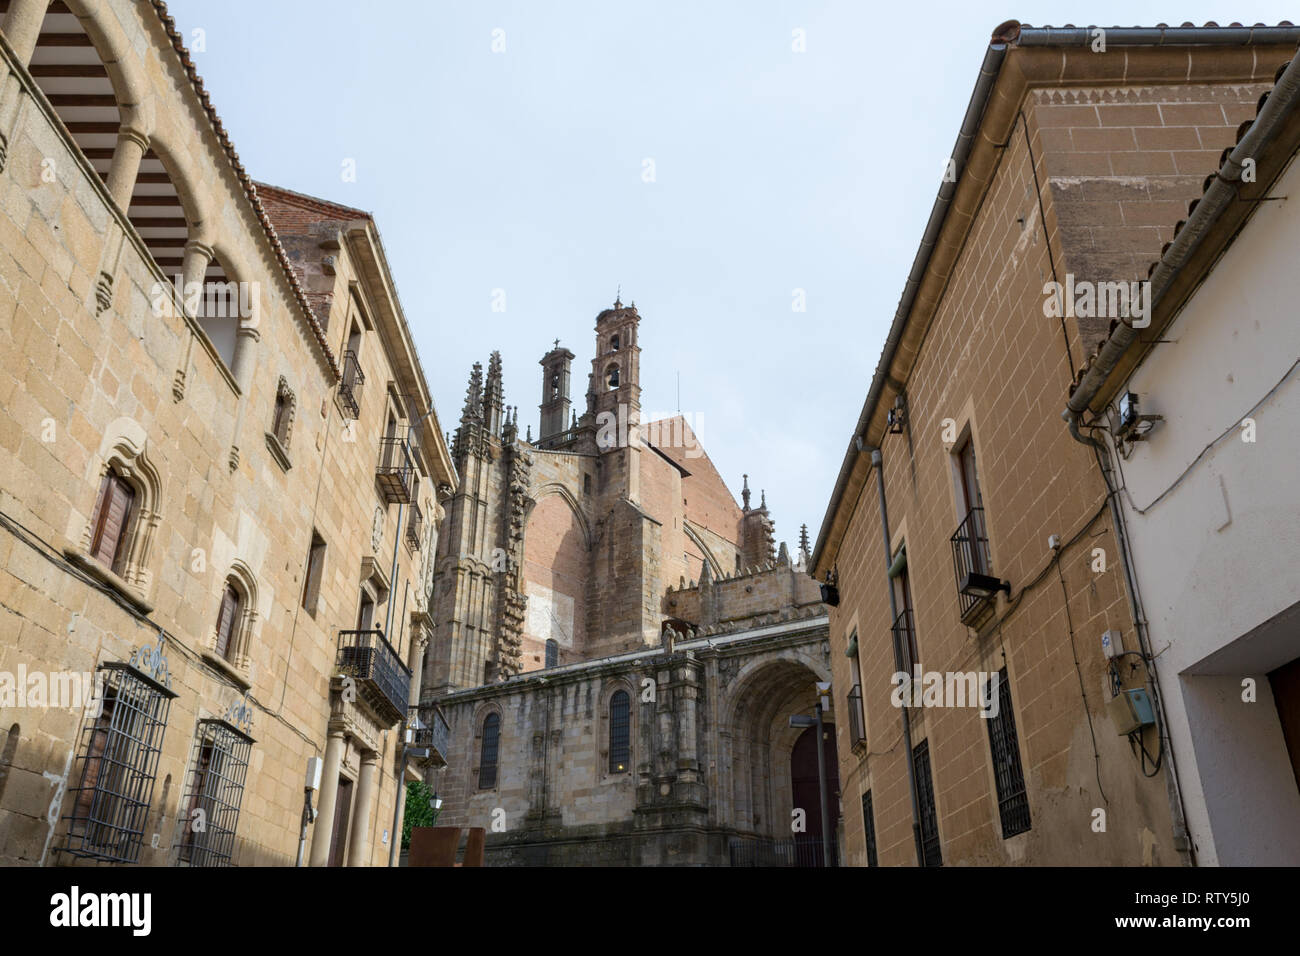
[{"x": 419, "y": 810}]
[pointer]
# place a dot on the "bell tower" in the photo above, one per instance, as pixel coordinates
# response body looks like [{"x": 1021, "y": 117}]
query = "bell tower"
[
  {"x": 555, "y": 392},
  {"x": 614, "y": 391}
]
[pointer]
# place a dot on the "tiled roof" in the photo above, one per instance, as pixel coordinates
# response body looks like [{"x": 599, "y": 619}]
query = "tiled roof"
[
  {"x": 308, "y": 314},
  {"x": 1244, "y": 128}
]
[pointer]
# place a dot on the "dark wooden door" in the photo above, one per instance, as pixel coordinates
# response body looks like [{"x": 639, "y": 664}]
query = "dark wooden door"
[
  {"x": 807, "y": 793},
  {"x": 339, "y": 839}
]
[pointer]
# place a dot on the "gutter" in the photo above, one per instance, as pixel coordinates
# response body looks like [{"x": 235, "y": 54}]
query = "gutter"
[{"x": 1006, "y": 35}]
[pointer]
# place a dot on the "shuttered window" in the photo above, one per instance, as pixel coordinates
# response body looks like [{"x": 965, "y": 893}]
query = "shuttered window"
[
  {"x": 226, "y": 621},
  {"x": 315, "y": 567},
  {"x": 110, "y": 520}
]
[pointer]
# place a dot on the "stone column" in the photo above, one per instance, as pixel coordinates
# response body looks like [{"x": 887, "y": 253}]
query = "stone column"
[
  {"x": 246, "y": 338},
  {"x": 329, "y": 791},
  {"x": 22, "y": 25},
  {"x": 359, "y": 838},
  {"x": 131, "y": 146},
  {"x": 194, "y": 270}
]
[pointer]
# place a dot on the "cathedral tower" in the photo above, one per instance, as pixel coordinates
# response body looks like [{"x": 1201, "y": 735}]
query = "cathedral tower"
[{"x": 555, "y": 392}]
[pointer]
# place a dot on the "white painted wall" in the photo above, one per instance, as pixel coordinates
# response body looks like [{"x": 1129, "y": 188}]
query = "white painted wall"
[{"x": 1220, "y": 554}]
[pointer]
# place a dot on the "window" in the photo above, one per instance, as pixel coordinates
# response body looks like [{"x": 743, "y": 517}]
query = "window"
[
  {"x": 613, "y": 343},
  {"x": 366, "y": 612},
  {"x": 110, "y": 521},
  {"x": 869, "y": 827},
  {"x": 552, "y": 652},
  {"x": 857, "y": 712},
  {"x": 228, "y": 621},
  {"x": 555, "y": 386},
  {"x": 315, "y": 569},
  {"x": 487, "y": 765},
  {"x": 611, "y": 377},
  {"x": 282, "y": 420},
  {"x": 907, "y": 652},
  {"x": 977, "y": 587},
  {"x": 118, "y": 759},
  {"x": 215, "y": 794},
  {"x": 620, "y": 732},
  {"x": 931, "y": 852},
  {"x": 1013, "y": 802}
]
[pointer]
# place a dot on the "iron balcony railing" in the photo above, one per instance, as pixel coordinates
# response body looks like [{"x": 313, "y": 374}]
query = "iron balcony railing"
[
  {"x": 429, "y": 729},
  {"x": 970, "y": 555},
  {"x": 857, "y": 718},
  {"x": 350, "y": 384},
  {"x": 396, "y": 472},
  {"x": 415, "y": 527},
  {"x": 906, "y": 653},
  {"x": 802, "y": 851},
  {"x": 382, "y": 679}
]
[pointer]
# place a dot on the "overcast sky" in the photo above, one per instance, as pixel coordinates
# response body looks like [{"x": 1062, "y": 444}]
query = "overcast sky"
[{"x": 525, "y": 170}]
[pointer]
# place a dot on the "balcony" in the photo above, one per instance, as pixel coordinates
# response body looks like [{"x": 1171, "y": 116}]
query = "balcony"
[
  {"x": 396, "y": 472},
  {"x": 414, "y": 527},
  {"x": 857, "y": 717},
  {"x": 976, "y": 585},
  {"x": 431, "y": 731},
  {"x": 907, "y": 655},
  {"x": 382, "y": 680},
  {"x": 350, "y": 384}
]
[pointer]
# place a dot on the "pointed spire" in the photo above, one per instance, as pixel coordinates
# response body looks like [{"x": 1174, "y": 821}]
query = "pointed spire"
[
  {"x": 529, "y": 437},
  {"x": 803, "y": 539},
  {"x": 744, "y": 492},
  {"x": 762, "y": 504},
  {"x": 473, "y": 395},
  {"x": 783, "y": 556},
  {"x": 706, "y": 576},
  {"x": 573, "y": 423}
]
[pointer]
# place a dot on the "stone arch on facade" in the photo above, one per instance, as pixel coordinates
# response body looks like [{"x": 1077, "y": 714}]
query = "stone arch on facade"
[
  {"x": 756, "y": 740},
  {"x": 554, "y": 583},
  {"x": 123, "y": 451},
  {"x": 481, "y": 713},
  {"x": 608, "y": 688},
  {"x": 242, "y": 578},
  {"x": 535, "y": 497},
  {"x": 715, "y": 567}
]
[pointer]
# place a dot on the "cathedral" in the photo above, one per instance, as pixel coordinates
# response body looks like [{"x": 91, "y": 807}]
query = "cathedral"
[{"x": 618, "y": 647}]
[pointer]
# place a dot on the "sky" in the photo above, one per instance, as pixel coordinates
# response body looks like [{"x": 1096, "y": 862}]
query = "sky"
[{"x": 755, "y": 176}]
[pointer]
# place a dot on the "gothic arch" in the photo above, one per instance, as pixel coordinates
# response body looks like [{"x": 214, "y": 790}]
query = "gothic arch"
[
  {"x": 714, "y": 566},
  {"x": 555, "y": 488},
  {"x": 757, "y": 740}
]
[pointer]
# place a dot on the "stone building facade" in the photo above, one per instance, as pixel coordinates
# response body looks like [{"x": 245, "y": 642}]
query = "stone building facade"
[
  {"x": 970, "y": 535},
  {"x": 617, "y": 645},
  {"x": 212, "y": 495}
]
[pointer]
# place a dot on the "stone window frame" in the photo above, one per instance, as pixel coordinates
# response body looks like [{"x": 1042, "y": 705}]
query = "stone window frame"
[
  {"x": 236, "y": 664},
  {"x": 607, "y": 691},
  {"x": 124, "y": 453},
  {"x": 480, "y": 718},
  {"x": 278, "y": 442}
]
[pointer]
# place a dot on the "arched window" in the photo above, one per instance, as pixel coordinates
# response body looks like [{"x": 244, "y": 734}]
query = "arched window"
[
  {"x": 487, "y": 766},
  {"x": 228, "y": 620},
  {"x": 613, "y": 344},
  {"x": 552, "y": 652},
  {"x": 611, "y": 377},
  {"x": 282, "y": 419},
  {"x": 555, "y": 386},
  {"x": 111, "y": 521},
  {"x": 620, "y": 732}
]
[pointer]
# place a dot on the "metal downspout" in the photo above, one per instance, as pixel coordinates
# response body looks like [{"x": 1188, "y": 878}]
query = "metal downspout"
[{"x": 876, "y": 461}]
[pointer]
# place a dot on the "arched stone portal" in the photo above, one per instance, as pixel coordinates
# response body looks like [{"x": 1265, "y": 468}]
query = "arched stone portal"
[{"x": 758, "y": 743}]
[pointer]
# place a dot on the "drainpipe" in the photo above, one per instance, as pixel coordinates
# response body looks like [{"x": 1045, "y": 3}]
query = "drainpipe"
[
  {"x": 1217, "y": 198},
  {"x": 876, "y": 463}
]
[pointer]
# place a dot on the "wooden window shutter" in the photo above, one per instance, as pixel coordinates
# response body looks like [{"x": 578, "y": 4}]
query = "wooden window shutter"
[
  {"x": 226, "y": 620},
  {"x": 111, "y": 514}
]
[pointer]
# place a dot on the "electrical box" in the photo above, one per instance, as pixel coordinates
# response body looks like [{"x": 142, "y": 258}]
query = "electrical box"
[
  {"x": 314, "y": 766},
  {"x": 1111, "y": 644},
  {"x": 1131, "y": 710}
]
